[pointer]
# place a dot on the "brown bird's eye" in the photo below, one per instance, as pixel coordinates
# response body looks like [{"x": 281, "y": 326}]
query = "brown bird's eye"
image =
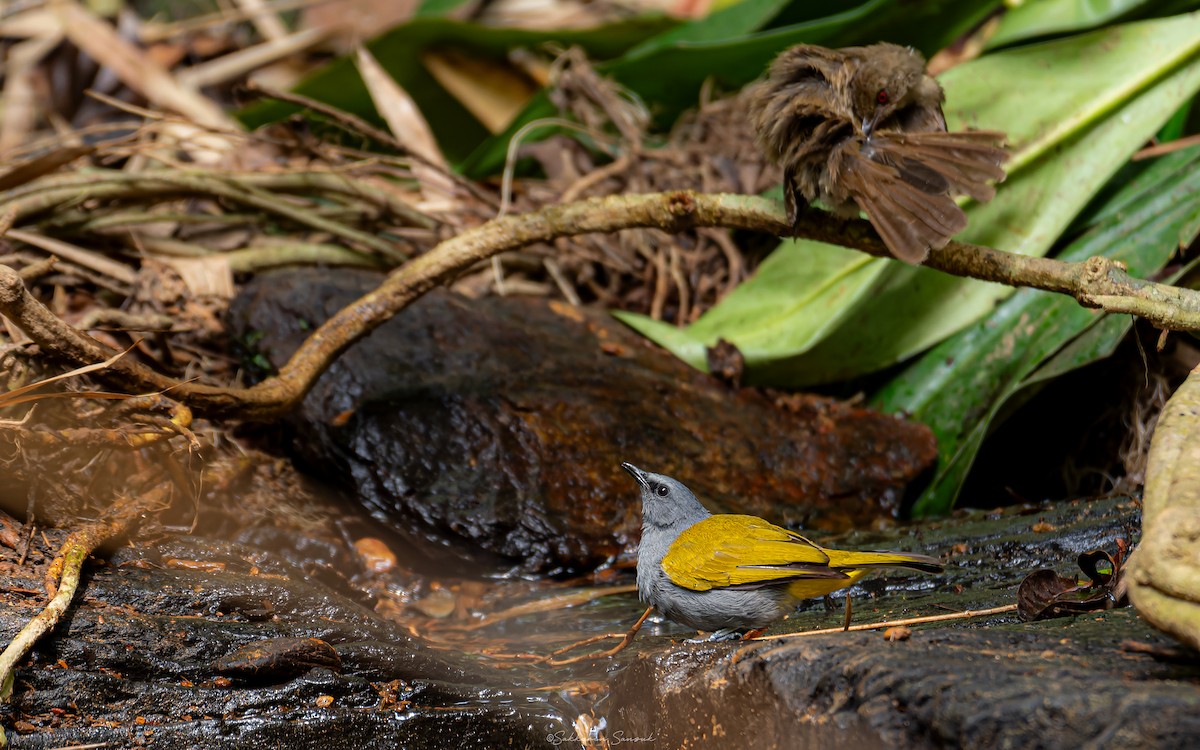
[
  {"x": 882, "y": 97},
  {"x": 661, "y": 490}
]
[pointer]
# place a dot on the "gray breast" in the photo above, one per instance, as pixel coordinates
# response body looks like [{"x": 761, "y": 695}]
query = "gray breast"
[{"x": 713, "y": 609}]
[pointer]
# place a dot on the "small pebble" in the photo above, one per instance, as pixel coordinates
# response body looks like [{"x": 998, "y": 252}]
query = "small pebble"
[
  {"x": 437, "y": 603},
  {"x": 377, "y": 557}
]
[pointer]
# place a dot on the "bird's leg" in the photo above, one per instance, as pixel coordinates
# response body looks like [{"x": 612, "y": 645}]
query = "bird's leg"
[
  {"x": 793, "y": 203},
  {"x": 724, "y": 634},
  {"x": 730, "y": 634}
]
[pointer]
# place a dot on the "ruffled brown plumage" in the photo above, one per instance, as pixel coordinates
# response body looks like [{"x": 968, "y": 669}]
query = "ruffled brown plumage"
[{"x": 862, "y": 128}]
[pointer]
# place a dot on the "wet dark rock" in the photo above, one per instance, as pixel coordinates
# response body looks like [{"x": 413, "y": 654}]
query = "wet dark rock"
[
  {"x": 279, "y": 658},
  {"x": 169, "y": 658},
  {"x": 1064, "y": 686},
  {"x": 500, "y": 424}
]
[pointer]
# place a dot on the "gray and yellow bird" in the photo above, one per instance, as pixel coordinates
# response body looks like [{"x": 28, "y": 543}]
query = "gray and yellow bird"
[{"x": 730, "y": 574}]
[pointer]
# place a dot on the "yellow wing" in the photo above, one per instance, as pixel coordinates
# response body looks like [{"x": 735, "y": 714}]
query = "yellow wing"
[{"x": 735, "y": 550}]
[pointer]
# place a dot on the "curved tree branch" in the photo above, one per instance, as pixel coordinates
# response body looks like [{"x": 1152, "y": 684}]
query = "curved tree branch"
[{"x": 1096, "y": 282}]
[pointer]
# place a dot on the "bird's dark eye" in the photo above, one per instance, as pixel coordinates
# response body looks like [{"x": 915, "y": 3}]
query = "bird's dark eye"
[
  {"x": 882, "y": 97},
  {"x": 662, "y": 490}
]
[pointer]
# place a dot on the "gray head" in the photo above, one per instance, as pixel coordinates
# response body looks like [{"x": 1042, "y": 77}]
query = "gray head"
[{"x": 665, "y": 501}]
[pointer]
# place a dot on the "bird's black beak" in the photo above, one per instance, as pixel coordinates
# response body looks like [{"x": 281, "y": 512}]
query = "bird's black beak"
[{"x": 636, "y": 473}]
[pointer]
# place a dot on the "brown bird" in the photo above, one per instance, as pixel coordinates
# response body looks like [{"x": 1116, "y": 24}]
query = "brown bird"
[{"x": 862, "y": 128}]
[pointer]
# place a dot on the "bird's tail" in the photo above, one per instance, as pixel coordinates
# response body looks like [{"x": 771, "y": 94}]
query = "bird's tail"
[
  {"x": 839, "y": 559},
  {"x": 904, "y": 183}
]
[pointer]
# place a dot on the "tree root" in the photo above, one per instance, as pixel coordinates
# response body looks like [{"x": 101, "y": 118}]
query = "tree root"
[{"x": 1096, "y": 282}]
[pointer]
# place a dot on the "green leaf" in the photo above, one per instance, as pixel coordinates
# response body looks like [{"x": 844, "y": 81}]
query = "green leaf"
[
  {"x": 761, "y": 318},
  {"x": 667, "y": 72},
  {"x": 1176, "y": 127},
  {"x": 1038, "y": 18},
  {"x": 1056, "y": 172},
  {"x": 1044, "y": 93},
  {"x": 399, "y": 52},
  {"x": 959, "y": 387}
]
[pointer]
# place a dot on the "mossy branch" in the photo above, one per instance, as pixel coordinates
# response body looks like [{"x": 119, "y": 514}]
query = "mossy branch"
[{"x": 1096, "y": 282}]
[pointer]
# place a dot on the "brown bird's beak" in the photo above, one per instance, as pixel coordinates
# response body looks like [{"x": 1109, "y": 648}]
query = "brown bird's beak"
[
  {"x": 868, "y": 126},
  {"x": 636, "y": 473}
]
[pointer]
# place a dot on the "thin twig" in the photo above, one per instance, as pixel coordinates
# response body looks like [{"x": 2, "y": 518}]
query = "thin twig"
[
  {"x": 28, "y": 543},
  {"x": 626, "y": 639},
  {"x": 965, "y": 615},
  {"x": 55, "y": 191},
  {"x": 549, "y": 604}
]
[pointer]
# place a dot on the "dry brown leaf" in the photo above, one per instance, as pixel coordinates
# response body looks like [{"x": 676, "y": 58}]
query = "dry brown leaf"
[
  {"x": 398, "y": 109},
  {"x": 354, "y": 20},
  {"x": 19, "y": 103},
  {"x": 1045, "y": 594},
  {"x": 267, "y": 23},
  {"x": 35, "y": 22},
  {"x": 243, "y": 61},
  {"x": 495, "y": 94},
  {"x": 410, "y": 129},
  {"x": 134, "y": 67},
  {"x": 209, "y": 276},
  {"x": 81, "y": 256}
]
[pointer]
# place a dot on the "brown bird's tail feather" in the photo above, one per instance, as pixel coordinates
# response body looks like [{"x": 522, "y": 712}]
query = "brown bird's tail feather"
[
  {"x": 910, "y": 220},
  {"x": 904, "y": 183},
  {"x": 965, "y": 161}
]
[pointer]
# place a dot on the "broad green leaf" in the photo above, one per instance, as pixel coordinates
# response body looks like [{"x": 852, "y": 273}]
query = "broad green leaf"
[
  {"x": 761, "y": 317},
  {"x": 1044, "y": 93},
  {"x": 1176, "y": 127},
  {"x": 1036, "y": 18},
  {"x": 667, "y": 73},
  {"x": 909, "y": 309},
  {"x": 958, "y": 387},
  {"x": 399, "y": 52},
  {"x": 1133, "y": 184}
]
